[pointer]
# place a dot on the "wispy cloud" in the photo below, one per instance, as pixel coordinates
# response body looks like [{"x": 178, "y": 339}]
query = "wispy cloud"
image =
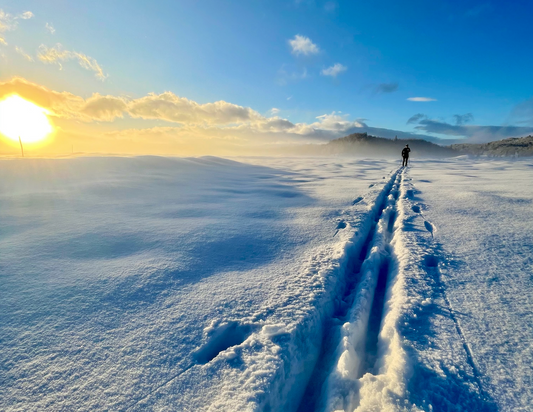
[
  {"x": 50, "y": 28},
  {"x": 421, "y": 99},
  {"x": 274, "y": 111},
  {"x": 287, "y": 74},
  {"x": 522, "y": 113},
  {"x": 55, "y": 55},
  {"x": 472, "y": 133},
  {"x": 334, "y": 70},
  {"x": 416, "y": 118},
  {"x": 386, "y": 88},
  {"x": 20, "y": 51},
  {"x": 461, "y": 119},
  {"x": 302, "y": 45},
  {"x": 8, "y": 22}
]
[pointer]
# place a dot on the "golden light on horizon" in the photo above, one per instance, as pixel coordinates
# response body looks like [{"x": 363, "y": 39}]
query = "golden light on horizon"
[{"x": 21, "y": 118}]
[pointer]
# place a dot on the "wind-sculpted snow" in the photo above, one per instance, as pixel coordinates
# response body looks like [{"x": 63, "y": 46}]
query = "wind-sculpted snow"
[{"x": 265, "y": 284}]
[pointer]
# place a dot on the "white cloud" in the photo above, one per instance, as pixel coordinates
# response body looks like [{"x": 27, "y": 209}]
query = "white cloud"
[
  {"x": 274, "y": 111},
  {"x": 26, "y": 15},
  {"x": 20, "y": 51},
  {"x": 334, "y": 70},
  {"x": 3, "y": 41},
  {"x": 329, "y": 122},
  {"x": 50, "y": 28},
  {"x": 56, "y": 54},
  {"x": 421, "y": 99},
  {"x": 303, "y": 45}
]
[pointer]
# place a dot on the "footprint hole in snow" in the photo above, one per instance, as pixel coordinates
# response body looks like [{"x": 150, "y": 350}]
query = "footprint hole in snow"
[
  {"x": 222, "y": 338},
  {"x": 431, "y": 261},
  {"x": 429, "y": 227},
  {"x": 341, "y": 225}
]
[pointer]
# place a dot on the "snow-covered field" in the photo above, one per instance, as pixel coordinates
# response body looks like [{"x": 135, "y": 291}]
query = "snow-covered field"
[{"x": 266, "y": 284}]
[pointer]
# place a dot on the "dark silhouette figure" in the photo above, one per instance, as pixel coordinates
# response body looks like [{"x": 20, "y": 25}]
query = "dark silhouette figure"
[{"x": 405, "y": 155}]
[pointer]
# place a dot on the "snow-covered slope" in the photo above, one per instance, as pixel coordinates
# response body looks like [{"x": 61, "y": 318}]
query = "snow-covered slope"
[{"x": 265, "y": 284}]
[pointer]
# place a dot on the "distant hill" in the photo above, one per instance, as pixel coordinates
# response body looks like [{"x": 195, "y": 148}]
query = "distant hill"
[
  {"x": 363, "y": 144},
  {"x": 515, "y": 146},
  {"x": 366, "y": 145}
]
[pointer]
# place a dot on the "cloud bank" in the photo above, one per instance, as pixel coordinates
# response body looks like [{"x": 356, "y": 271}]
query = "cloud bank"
[
  {"x": 168, "y": 123},
  {"x": 187, "y": 121},
  {"x": 468, "y": 133}
]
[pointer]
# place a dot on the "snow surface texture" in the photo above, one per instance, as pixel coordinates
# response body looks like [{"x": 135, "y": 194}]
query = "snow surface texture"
[{"x": 265, "y": 284}]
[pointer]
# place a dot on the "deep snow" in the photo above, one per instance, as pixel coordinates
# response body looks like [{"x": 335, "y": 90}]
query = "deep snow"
[{"x": 263, "y": 284}]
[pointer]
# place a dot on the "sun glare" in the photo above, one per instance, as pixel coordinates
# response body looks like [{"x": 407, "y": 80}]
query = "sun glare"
[{"x": 21, "y": 118}]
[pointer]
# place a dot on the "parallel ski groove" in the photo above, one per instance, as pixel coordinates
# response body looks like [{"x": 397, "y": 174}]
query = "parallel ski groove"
[{"x": 311, "y": 399}]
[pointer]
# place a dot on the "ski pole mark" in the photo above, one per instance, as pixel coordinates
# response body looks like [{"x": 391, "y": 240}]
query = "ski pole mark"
[{"x": 432, "y": 267}]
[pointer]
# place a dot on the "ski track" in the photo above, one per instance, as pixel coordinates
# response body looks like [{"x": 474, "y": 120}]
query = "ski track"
[
  {"x": 362, "y": 364},
  {"x": 369, "y": 272}
]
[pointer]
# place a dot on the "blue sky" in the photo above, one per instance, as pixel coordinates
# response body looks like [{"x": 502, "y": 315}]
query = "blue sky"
[{"x": 358, "y": 61}]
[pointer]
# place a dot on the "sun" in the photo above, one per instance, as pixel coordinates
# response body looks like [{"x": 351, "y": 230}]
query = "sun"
[{"x": 21, "y": 118}]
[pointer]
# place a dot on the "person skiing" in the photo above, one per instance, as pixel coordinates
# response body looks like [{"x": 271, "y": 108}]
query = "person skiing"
[{"x": 405, "y": 155}]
